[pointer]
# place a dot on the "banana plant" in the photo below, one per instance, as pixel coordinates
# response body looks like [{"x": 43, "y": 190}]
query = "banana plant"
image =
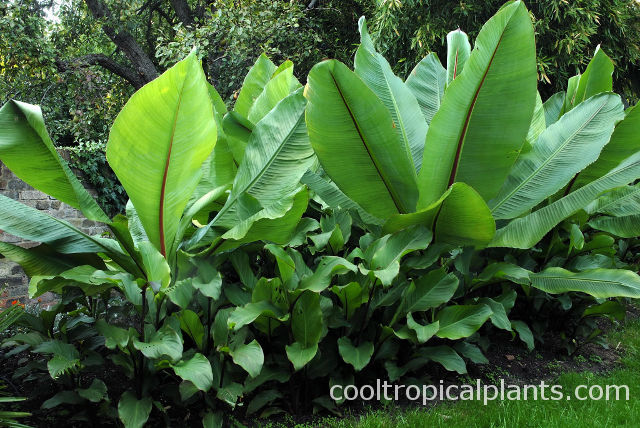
[{"x": 163, "y": 148}]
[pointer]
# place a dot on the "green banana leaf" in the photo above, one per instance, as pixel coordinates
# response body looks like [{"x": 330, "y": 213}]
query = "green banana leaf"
[
  {"x": 459, "y": 217},
  {"x": 427, "y": 82},
  {"x": 599, "y": 283},
  {"x": 375, "y": 71},
  {"x": 355, "y": 139},
  {"x": 254, "y": 82},
  {"x": 561, "y": 151},
  {"x": 525, "y": 232},
  {"x": 552, "y": 108},
  {"x": 157, "y": 146},
  {"x": 481, "y": 126},
  {"x": 624, "y": 143},
  {"x": 27, "y": 150},
  {"x": 458, "y": 51}
]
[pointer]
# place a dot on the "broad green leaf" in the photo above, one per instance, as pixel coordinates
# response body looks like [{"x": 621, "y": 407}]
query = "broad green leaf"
[
  {"x": 526, "y": 231},
  {"x": 31, "y": 224},
  {"x": 155, "y": 266},
  {"x": 164, "y": 342},
  {"x": 624, "y": 143},
  {"x": 334, "y": 197},
  {"x": 96, "y": 392},
  {"x": 471, "y": 351},
  {"x": 624, "y": 227},
  {"x": 524, "y": 332},
  {"x": 62, "y": 397},
  {"x": 596, "y": 78},
  {"x": 445, "y": 356},
  {"x": 599, "y": 283},
  {"x": 562, "y": 150},
  {"x": 27, "y": 150},
  {"x": 569, "y": 98},
  {"x": 196, "y": 370},
  {"x": 277, "y": 155},
  {"x": 208, "y": 281},
  {"x": 274, "y": 223},
  {"x": 619, "y": 202},
  {"x": 392, "y": 248},
  {"x": 212, "y": 420},
  {"x": 132, "y": 412},
  {"x": 552, "y": 107},
  {"x": 275, "y": 90},
  {"x": 237, "y": 130},
  {"x": 158, "y": 144},
  {"x": 246, "y": 314},
  {"x": 503, "y": 271},
  {"x": 327, "y": 267},
  {"x": 43, "y": 260},
  {"x": 538, "y": 124},
  {"x": 610, "y": 308},
  {"x": 190, "y": 323},
  {"x": 355, "y": 139},
  {"x": 460, "y": 321},
  {"x": 358, "y": 356},
  {"x": 423, "y": 332},
  {"x": 428, "y": 291},
  {"x": 306, "y": 319},
  {"x": 458, "y": 51},
  {"x": 250, "y": 357},
  {"x": 286, "y": 265},
  {"x": 499, "y": 317},
  {"x": 114, "y": 336},
  {"x": 376, "y": 73},
  {"x": 254, "y": 82},
  {"x": 86, "y": 278},
  {"x": 481, "y": 126},
  {"x": 300, "y": 355},
  {"x": 262, "y": 399},
  {"x": 351, "y": 297},
  {"x": 427, "y": 82},
  {"x": 459, "y": 217}
]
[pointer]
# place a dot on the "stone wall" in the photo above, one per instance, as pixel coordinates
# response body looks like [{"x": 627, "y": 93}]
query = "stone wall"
[{"x": 13, "y": 281}]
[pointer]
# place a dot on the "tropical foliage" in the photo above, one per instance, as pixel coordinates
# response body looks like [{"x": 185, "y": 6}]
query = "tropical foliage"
[{"x": 360, "y": 226}]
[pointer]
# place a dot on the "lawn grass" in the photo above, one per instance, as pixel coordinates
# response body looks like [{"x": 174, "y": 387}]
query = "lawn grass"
[{"x": 547, "y": 414}]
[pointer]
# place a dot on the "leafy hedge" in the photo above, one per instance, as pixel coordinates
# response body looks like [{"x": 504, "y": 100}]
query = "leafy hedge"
[{"x": 359, "y": 227}]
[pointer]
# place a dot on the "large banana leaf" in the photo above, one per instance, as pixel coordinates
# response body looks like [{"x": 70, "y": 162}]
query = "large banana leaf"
[
  {"x": 43, "y": 260},
  {"x": 427, "y": 82},
  {"x": 31, "y": 224},
  {"x": 600, "y": 283},
  {"x": 481, "y": 126},
  {"x": 375, "y": 71},
  {"x": 619, "y": 202},
  {"x": 624, "y": 227},
  {"x": 538, "y": 123},
  {"x": 281, "y": 85},
  {"x": 458, "y": 51},
  {"x": 157, "y": 146},
  {"x": 237, "y": 129},
  {"x": 595, "y": 79},
  {"x": 525, "y": 232},
  {"x": 624, "y": 142},
  {"x": 25, "y": 147},
  {"x": 552, "y": 108},
  {"x": 253, "y": 84},
  {"x": 561, "y": 151},
  {"x": 278, "y": 154},
  {"x": 356, "y": 141},
  {"x": 459, "y": 217}
]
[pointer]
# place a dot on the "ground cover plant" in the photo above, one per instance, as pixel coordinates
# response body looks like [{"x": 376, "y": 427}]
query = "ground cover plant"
[{"x": 358, "y": 227}]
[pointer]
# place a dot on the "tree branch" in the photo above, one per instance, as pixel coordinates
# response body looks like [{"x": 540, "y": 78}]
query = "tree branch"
[
  {"x": 183, "y": 12},
  {"x": 105, "y": 62},
  {"x": 141, "y": 62}
]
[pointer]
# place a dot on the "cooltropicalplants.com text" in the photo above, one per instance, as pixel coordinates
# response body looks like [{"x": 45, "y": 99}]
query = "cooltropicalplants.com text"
[{"x": 385, "y": 391}]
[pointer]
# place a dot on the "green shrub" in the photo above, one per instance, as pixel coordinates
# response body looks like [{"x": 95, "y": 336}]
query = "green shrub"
[{"x": 359, "y": 227}]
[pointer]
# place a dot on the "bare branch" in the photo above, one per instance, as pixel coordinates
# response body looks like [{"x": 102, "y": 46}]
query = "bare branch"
[{"x": 104, "y": 61}]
